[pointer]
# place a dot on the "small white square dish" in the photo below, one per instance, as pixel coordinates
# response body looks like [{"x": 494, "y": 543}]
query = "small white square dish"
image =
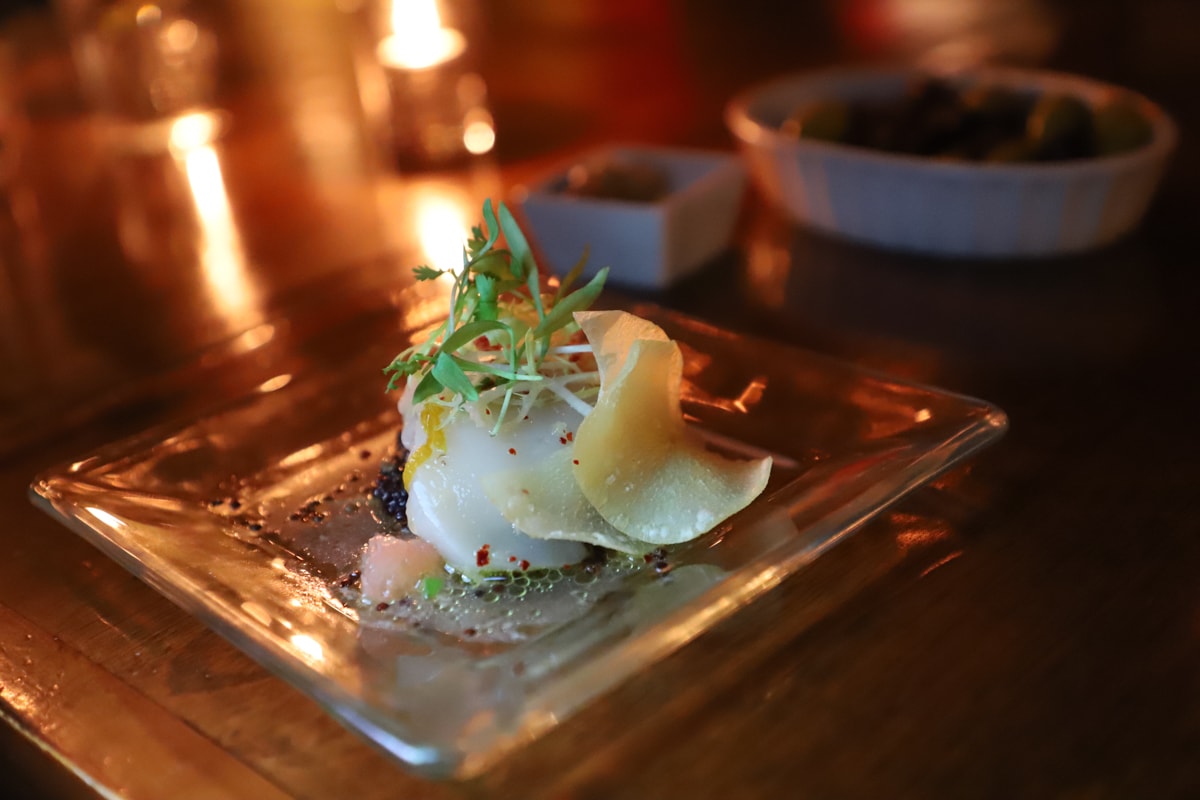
[{"x": 694, "y": 197}]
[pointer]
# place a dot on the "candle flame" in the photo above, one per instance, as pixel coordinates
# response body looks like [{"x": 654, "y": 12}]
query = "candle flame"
[{"x": 418, "y": 39}]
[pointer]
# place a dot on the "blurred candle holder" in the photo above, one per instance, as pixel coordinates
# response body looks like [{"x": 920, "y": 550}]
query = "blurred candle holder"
[
  {"x": 436, "y": 103},
  {"x": 145, "y": 64}
]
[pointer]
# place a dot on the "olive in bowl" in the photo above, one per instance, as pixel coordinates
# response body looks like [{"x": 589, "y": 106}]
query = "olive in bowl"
[
  {"x": 995, "y": 163},
  {"x": 977, "y": 121}
]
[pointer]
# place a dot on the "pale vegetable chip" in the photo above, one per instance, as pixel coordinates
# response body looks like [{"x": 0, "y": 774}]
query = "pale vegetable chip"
[
  {"x": 639, "y": 465},
  {"x": 612, "y": 334}
]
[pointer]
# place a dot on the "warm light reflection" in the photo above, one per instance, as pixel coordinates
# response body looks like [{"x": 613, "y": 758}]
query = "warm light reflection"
[
  {"x": 308, "y": 646},
  {"x": 917, "y": 531},
  {"x": 935, "y": 15},
  {"x": 254, "y": 338},
  {"x": 274, "y": 384},
  {"x": 941, "y": 563},
  {"x": 220, "y": 245},
  {"x": 768, "y": 268},
  {"x": 193, "y": 131},
  {"x": 302, "y": 456},
  {"x": 148, "y": 14},
  {"x": 180, "y": 37},
  {"x": 418, "y": 40},
  {"x": 742, "y": 404},
  {"x": 105, "y": 517},
  {"x": 963, "y": 34},
  {"x": 751, "y": 395},
  {"x": 479, "y": 136},
  {"x": 256, "y": 612},
  {"x": 431, "y": 216},
  {"x": 442, "y": 231},
  {"x": 246, "y": 342}
]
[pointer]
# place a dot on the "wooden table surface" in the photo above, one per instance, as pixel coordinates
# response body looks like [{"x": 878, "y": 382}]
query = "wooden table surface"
[{"x": 1028, "y": 626}]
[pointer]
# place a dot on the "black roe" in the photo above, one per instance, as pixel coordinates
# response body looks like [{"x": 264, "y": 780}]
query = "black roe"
[{"x": 389, "y": 487}]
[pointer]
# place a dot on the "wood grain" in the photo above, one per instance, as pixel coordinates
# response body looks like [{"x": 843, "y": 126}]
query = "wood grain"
[{"x": 1027, "y": 627}]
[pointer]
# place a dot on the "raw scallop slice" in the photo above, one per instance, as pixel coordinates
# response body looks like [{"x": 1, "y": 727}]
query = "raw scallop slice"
[
  {"x": 544, "y": 501},
  {"x": 641, "y": 468},
  {"x": 448, "y": 508}
]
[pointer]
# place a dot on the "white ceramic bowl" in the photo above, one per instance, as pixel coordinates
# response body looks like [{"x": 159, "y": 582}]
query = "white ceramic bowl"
[
  {"x": 644, "y": 244},
  {"x": 921, "y": 204}
]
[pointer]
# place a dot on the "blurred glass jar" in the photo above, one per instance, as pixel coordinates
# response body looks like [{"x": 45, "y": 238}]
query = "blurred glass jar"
[
  {"x": 423, "y": 88},
  {"x": 236, "y": 148},
  {"x": 141, "y": 62}
]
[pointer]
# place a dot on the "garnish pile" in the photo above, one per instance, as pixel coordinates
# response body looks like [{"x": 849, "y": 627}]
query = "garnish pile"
[
  {"x": 507, "y": 339},
  {"x": 537, "y": 426}
]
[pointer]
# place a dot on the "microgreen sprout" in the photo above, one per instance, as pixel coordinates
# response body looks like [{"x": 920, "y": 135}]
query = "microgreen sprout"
[{"x": 506, "y": 339}]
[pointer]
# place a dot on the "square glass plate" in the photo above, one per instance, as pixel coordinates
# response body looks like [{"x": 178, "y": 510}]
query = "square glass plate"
[{"x": 251, "y": 516}]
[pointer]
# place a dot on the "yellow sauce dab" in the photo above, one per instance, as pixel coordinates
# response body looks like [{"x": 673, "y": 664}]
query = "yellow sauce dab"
[{"x": 435, "y": 440}]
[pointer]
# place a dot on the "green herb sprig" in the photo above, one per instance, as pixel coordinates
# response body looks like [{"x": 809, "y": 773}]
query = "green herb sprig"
[{"x": 492, "y": 279}]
